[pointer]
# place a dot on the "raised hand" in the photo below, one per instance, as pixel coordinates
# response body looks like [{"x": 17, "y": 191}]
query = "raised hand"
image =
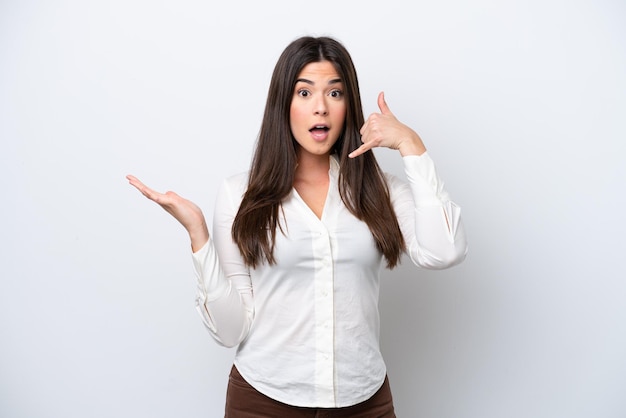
[
  {"x": 384, "y": 130},
  {"x": 184, "y": 211}
]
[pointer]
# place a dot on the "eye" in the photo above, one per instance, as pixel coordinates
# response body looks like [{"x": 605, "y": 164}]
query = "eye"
[
  {"x": 336, "y": 93},
  {"x": 303, "y": 93}
]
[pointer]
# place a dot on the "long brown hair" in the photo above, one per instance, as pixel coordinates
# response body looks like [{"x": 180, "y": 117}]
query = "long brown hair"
[{"x": 361, "y": 183}]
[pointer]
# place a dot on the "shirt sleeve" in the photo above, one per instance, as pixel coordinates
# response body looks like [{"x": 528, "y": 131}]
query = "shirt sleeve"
[
  {"x": 430, "y": 222},
  {"x": 224, "y": 298}
]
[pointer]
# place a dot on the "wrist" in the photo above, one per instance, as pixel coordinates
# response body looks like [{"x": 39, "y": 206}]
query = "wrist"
[
  {"x": 412, "y": 146},
  {"x": 198, "y": 236}
]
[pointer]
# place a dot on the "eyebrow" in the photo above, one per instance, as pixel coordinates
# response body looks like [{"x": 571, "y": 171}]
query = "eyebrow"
[{"x": 304, "y": 80}]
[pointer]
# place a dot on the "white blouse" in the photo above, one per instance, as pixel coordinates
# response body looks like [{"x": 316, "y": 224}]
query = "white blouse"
[{"x": 308, "y": 326}]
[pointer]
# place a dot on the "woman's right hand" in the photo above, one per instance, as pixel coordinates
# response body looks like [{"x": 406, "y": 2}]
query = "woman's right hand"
[{"x": 184, "y": 211}]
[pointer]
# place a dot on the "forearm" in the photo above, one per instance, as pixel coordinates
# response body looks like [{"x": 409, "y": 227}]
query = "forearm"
[
  {"x": 438, "y": 236},
  {"x": 198, "y": 235},
  {"x": 412, "y": 144}
]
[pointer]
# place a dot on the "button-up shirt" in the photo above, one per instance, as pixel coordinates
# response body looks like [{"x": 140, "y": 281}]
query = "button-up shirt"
[{"x": 307, "y": 327}]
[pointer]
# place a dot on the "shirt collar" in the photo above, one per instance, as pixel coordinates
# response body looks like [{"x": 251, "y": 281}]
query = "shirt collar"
[{"x": 334, "y": 166}]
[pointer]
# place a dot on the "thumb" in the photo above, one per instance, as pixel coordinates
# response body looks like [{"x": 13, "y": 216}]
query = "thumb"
[{"x": 382, "y": 104}]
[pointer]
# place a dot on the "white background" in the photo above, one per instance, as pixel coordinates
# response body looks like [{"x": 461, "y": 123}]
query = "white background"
[{"x": 522, "y": 104}]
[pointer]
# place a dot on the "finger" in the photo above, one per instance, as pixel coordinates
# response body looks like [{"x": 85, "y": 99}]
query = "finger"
[
  {"x": 382, "y": 104},
  {"x": 360, "y": 150},
  {"x": 145, "y": 190},
  {"x": 134, "y": 181},
  {"x": 364, "y": 127}
]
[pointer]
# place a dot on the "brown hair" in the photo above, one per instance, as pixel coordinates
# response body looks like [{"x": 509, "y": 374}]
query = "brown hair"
[{"x": 361, "y": 182}]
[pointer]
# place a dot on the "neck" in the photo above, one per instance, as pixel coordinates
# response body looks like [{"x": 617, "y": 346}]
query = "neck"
[{"x": 312, "y": 166}]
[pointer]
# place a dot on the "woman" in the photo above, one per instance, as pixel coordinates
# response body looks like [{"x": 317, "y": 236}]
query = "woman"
[{"x": 290, "y": 274}]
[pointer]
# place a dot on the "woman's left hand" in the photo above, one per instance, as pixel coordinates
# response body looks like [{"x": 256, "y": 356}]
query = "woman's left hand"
[{"x": 384, "y": 130}]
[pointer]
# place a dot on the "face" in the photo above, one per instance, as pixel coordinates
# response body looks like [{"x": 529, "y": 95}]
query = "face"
[{"x": 318, "y": 109}]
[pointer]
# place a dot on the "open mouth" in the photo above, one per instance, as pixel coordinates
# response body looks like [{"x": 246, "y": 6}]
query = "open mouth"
[
  {"x": 319, "y": 132},
  {"x": 319, "y": 129}
]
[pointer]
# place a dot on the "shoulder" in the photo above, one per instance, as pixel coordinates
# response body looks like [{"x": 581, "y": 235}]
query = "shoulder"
[
  {"x": 237, "y": 181},
  {"x": 233, "y": 187},
  {"x": 394, "y": 183}
]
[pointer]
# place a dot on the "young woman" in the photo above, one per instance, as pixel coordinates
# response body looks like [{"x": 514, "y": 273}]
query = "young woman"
[{"x": 290, "y": 273}]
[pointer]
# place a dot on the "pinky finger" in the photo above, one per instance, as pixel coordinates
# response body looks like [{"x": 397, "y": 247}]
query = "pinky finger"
[{"x": 360, "y": 150}]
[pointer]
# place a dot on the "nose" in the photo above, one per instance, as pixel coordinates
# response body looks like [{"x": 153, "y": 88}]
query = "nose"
[{"x": 320, "y": 106}]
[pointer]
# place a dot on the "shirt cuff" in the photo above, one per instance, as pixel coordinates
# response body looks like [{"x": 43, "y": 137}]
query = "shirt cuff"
[
  {"x": 427, "y": 187},
  {"x": 210, "y": 280}
]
